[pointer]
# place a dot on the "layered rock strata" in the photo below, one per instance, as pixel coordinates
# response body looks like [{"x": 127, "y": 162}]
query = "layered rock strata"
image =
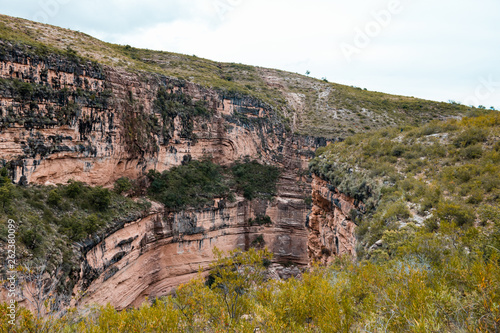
[
  {"x": 65, "y": 118},
  {"x": 330, "y": 225}
]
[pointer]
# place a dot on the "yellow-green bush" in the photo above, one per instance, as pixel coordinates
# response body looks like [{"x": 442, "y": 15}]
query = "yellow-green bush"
[{"x": 456, "y": 291}]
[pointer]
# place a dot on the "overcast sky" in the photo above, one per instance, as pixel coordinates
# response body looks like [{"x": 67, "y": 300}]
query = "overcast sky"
[{"x": 440, "y": 50}]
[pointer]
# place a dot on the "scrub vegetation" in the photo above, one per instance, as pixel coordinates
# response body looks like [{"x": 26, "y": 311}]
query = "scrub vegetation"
[
  {"x": 196, "y": 184},
  {"x": 405, "y": 294},
  {"x": 51, "y": 220}
]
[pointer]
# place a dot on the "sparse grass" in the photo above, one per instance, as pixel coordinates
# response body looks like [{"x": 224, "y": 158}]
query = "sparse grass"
[{"x": 447, "y": 171}]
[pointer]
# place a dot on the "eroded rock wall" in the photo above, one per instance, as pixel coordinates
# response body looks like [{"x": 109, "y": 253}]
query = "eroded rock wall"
[
  {"x": 64, "y": 118},
  {"x": 331, "y": 230},
  {"x": 153, "y": 255}
]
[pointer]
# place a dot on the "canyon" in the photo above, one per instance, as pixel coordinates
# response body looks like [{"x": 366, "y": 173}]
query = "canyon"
[
  {"x": 145, "y": 190},
  {"x": 65, "y": 118}
]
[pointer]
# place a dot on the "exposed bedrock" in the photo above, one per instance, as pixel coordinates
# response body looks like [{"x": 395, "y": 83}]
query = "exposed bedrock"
[
  {"x": 331, "y": 231},
  {"x": 63, "y": 118}
]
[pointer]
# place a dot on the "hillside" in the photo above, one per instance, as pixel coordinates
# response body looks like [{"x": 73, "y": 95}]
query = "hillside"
[
  {"x": 309, "y": 106},
  {"x": 190, "y": 167},
  {"x": 433, "y": 177},
  {"x": 236, "y": 198}
]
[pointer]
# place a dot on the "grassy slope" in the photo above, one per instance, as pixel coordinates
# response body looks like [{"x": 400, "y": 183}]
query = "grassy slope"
[
  {"x": 443, "y": 173},
  {"x": 312, "y": 106}
]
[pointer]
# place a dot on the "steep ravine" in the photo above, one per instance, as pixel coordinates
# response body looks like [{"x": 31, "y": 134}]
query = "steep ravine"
[{"x": 64, "y": 118}]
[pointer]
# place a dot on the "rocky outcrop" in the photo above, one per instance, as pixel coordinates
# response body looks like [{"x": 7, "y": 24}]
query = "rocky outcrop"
[
  {"x": 153, "y": 255},
  {"x": 65, "y": 118},
  {"x": 330, "y": 225}
]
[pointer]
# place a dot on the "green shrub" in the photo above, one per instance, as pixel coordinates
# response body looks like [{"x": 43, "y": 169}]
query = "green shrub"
[
  {"x": 100, "y": 198},
  {"x": 472, "y": 152},
  {"x": 398, "y": 150},
  {"x": 456, "y": 213},
  {"x": 72, "y": 227},
  {"x": 397, "y": 211},
  {"x": 123, "y": 184},
  {"x": 321, "y": 150},
  {"x": 430, "y": 199},
  {"x": 6, "y": 195},
  {"x": 4, "y": 178},
  {"x": 475, "y": 198},
  {"x": 255, "y": 180},
  {"x": 92, "y": 223},
  {"x": 471, "y": 136},
  {"x": 260, "y": 220},
  {"x": 31, "y": 238},
  {"x": 54, "y": 198},
  {"x": 194, "y": 184},
  {"x": 461, "y": 174},
  {"x": 74, "y": 189}
]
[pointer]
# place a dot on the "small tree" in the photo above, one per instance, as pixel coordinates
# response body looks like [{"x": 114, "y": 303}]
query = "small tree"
[
  {"x": 228, "y": 292},
  {"x": 100, "y": 198},
  {"x": 74, "y": 189},
  {"x": 198, "y": 305},
  {"x": 38, "y": 287},
  {"x": 5, "y": 195},
  {"x": 123, "y": 184},
  {"x": 234, "y": 275},
  {"x": 54, "y": 198}
]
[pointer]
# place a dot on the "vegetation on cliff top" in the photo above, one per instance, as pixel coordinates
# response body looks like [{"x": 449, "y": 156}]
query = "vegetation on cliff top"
[
  {"x": 320, "y": 108},
  {"x": 195, "y": 184},
  {"x": 255, "y": 180}
]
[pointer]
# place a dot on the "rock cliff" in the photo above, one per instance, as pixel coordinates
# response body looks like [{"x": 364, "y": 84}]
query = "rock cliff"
[
  {"x": 330, "y": 225},
  {"x": 66, "y": 118}
]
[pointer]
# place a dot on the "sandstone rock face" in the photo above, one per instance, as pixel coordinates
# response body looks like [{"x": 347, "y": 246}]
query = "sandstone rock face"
[
  {"x": 331, "y": 229},
  {"x": 87, "y": 122},
  {"x": 66, "y": 119},
  {"x": 153, "y": 255}
]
